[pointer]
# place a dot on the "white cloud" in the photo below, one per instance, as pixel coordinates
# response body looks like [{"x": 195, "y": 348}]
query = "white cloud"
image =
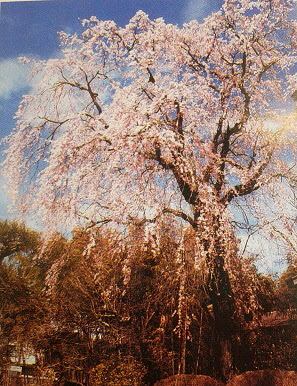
[
  {"x": 13, "y": 77},
  {"x": 199, "y": 9}
]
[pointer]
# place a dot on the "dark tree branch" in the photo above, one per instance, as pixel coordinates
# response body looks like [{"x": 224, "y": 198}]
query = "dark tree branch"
[
  {"x": 180, "y": 214},
  {"x": 151, "y": 77},
  {"x": 189, "y": 194},
  {"x": 250, "y": 186}
]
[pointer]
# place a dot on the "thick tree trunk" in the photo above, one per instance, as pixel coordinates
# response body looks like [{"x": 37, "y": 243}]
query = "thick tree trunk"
[
  {"x": 221, "y": 296},
  {"x": 219, "y": 291}
]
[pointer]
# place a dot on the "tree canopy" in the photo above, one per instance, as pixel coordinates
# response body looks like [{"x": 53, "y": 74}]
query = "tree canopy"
[{"x": 151, "y": 118}]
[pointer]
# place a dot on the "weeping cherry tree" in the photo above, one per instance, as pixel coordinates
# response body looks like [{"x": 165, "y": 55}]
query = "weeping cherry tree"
[{"x": 135, "y": 123}]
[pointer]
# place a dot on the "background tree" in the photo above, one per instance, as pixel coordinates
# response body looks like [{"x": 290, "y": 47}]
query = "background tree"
[
  {"x": 287, "y": 289},
  {"x": 21, "y": 304},
  {"x": 17, "y": 239},
  {"x": 79, "y": 319},
  {"x": 151, "y": 119}
]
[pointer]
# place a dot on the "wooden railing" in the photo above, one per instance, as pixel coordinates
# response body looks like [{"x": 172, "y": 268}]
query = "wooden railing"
[{"x": 274, "y": 319}]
